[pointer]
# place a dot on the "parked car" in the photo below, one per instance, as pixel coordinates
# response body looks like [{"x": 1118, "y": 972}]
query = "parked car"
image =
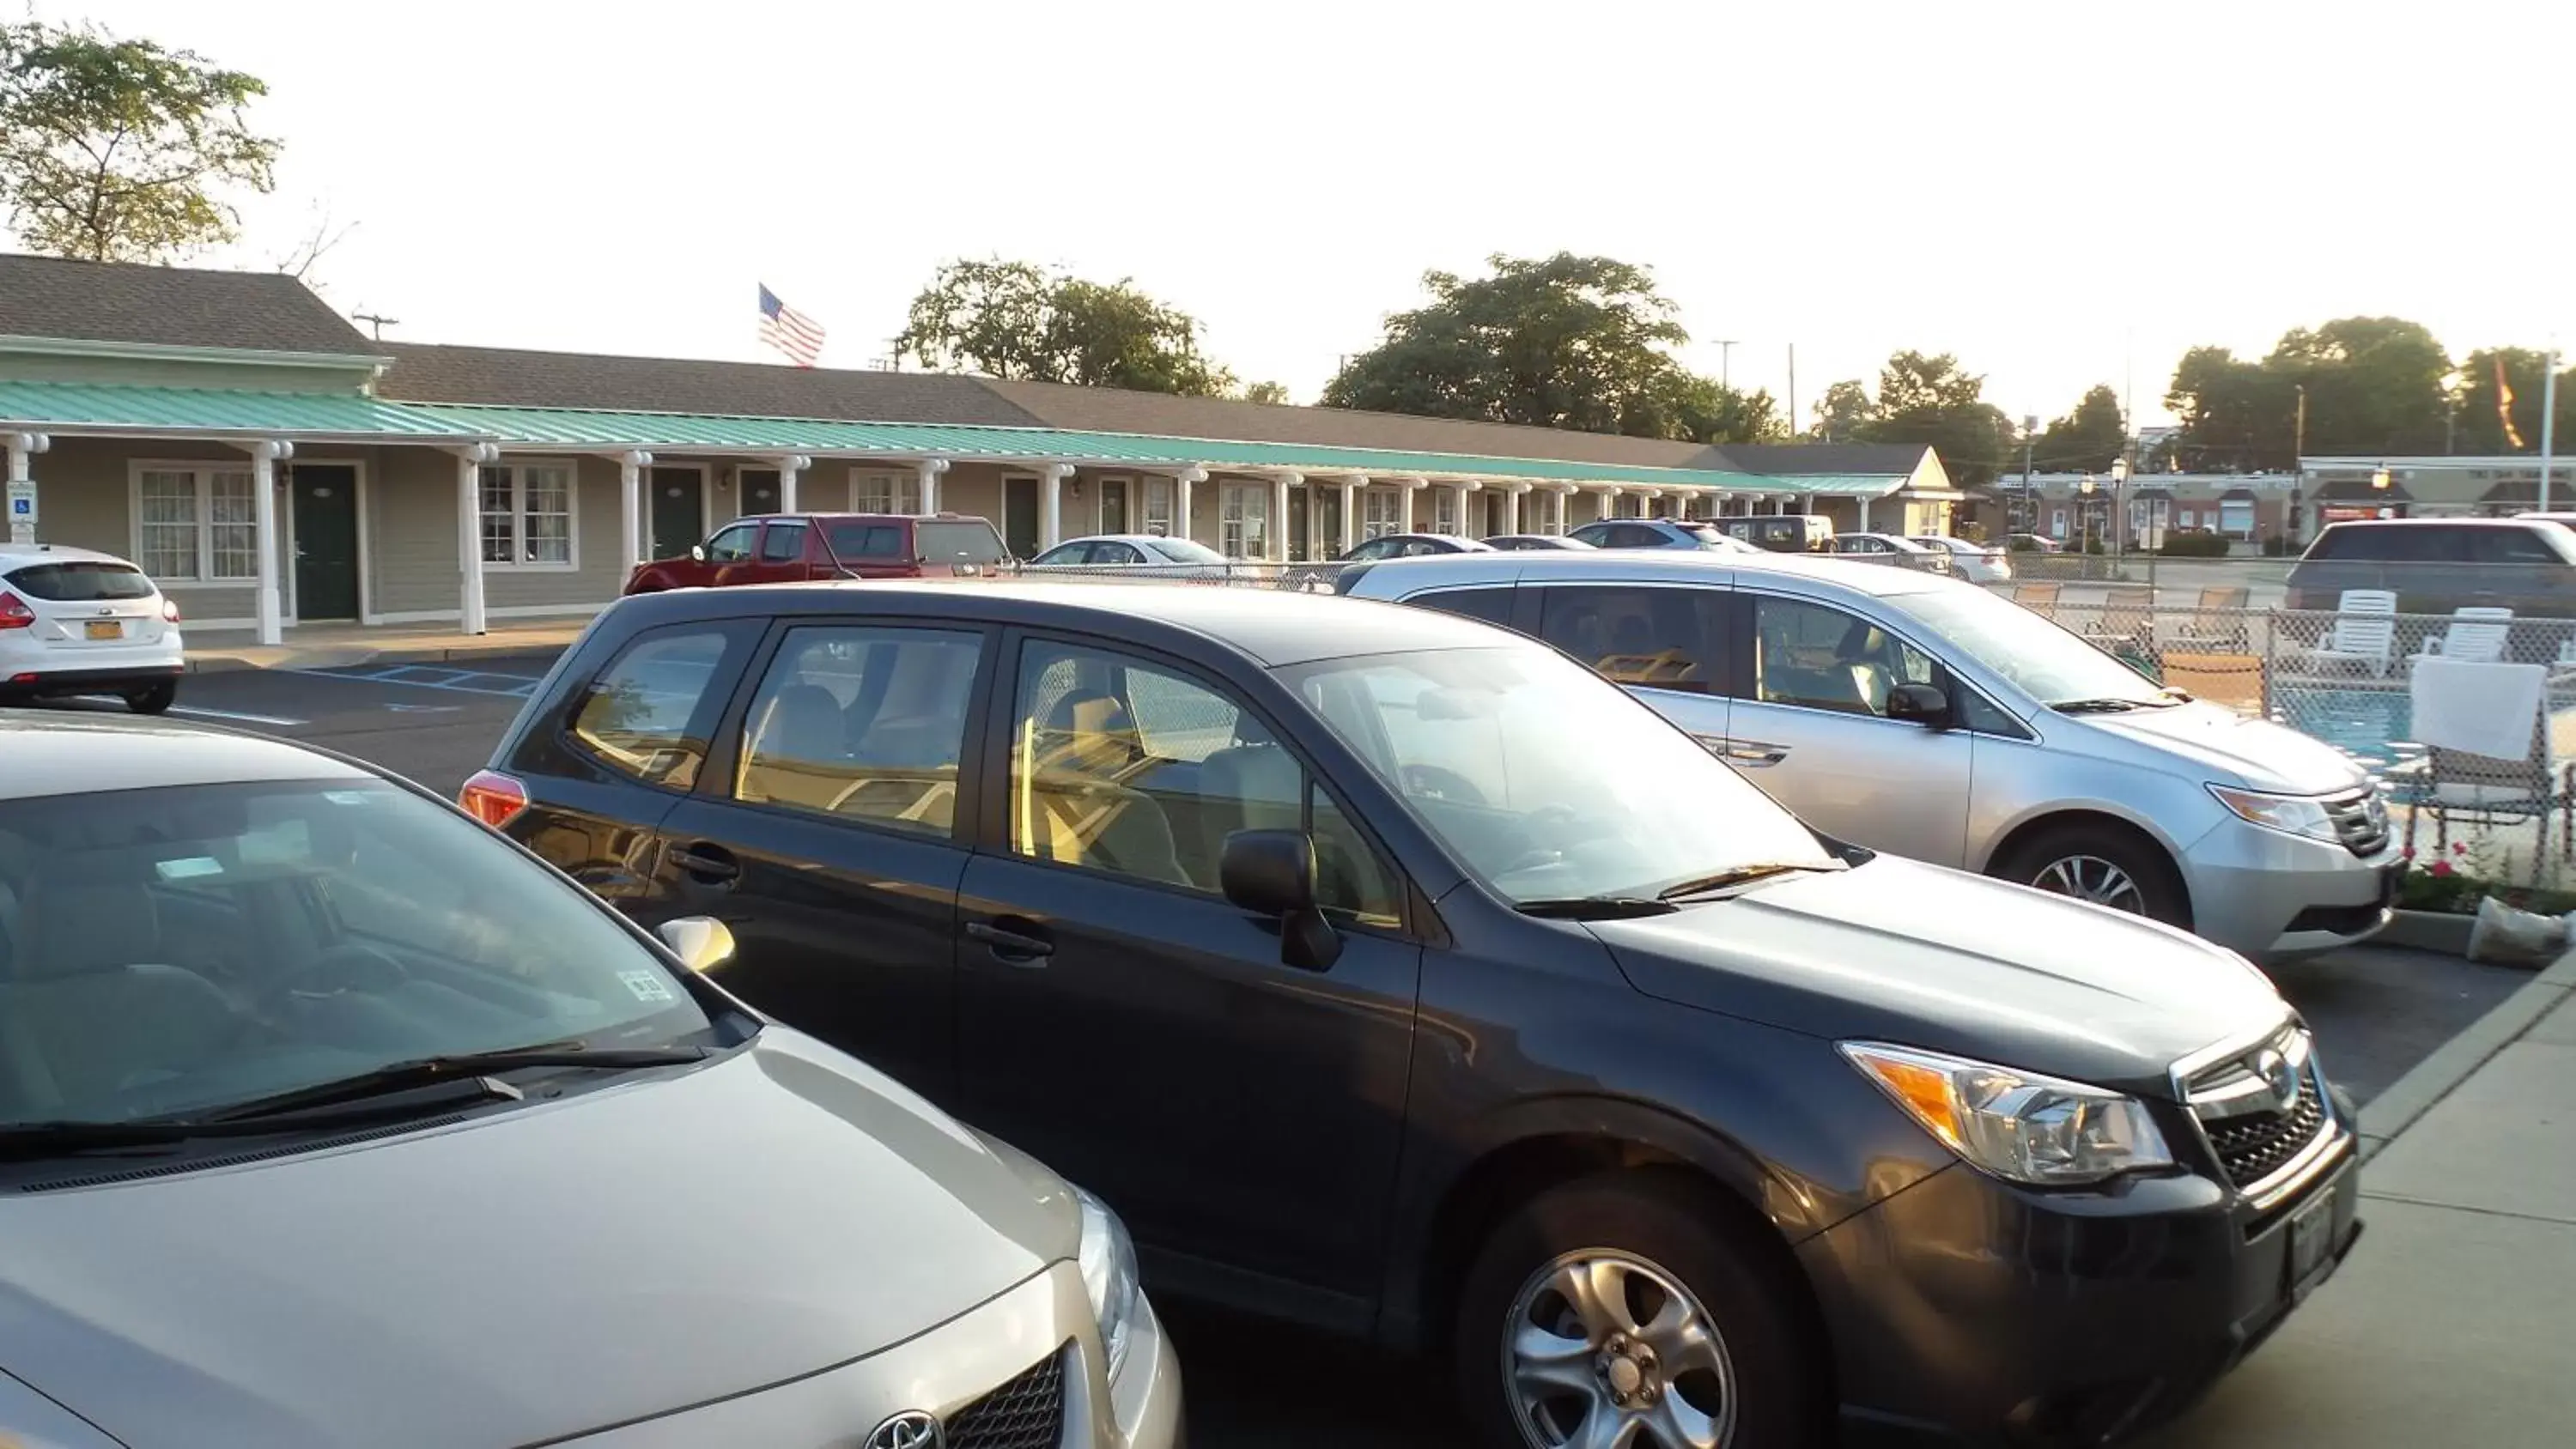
[
  {"x": 1409, "y": 545},
  {"x": 1687, "y": 534},
  {"x": 2437, "y": 565},
  {"x": 1783, "y": 532},
  {"x": 1529, "y": 542},
  {"x": 1888, "y": 548},
  {"x": 1397, "y": 976},
  {"x": 2563, "y": 520},
  {"x": 1931, "y": 718},
  {"x": 1181, "y": 558},
  {"x": 74, "y": 621},
  {"x": 780, "y": 548},
  {"x": 1974, "y": 562},
  {"x": 2034, "y": 543},
  {"x": 328, "y": 1117}
]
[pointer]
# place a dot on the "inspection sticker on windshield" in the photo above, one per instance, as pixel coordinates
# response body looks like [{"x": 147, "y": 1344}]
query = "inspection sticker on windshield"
[
  {"x": 188, "y": 868},
  {"x": 645, "y": 985}
]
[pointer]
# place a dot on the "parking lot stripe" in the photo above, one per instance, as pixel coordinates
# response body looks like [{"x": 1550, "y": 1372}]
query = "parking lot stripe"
[
  {"x": 431, "y": 676},
  {"x": 194, "y": 712}
]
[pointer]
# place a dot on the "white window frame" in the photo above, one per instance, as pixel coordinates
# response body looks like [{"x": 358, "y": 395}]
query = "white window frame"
[
  {"x": 1240, "y": 509},
  {"x": 516, "y": 470},
  {"x": 201, "y": 473},
  {"x": 1377, "y": 501},
  {"x": 1154, "y": 510},
  {"x": 1444, "y": 508},
  {"x": 2250, "y": 518},
  {"x": 901, "y": 491},
  {"x": 1546, "y": 512}
]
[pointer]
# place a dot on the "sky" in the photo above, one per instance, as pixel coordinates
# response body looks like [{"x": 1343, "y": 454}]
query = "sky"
[{"x": 2061, "y": 194}]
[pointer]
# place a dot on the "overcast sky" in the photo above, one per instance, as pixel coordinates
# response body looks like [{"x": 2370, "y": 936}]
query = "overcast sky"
[{"x": 2060, "y": 193}]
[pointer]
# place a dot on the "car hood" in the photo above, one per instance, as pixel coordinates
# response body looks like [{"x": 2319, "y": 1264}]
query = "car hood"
[
  {"x": 1920, "y": 956},
  {"x": 551, "y": 1269},
  {"x": 2233, "y": 749}
]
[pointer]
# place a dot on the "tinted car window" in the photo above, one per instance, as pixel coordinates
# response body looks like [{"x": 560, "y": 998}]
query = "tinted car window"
[
  {"x": 865, "y": 540},
  {"x": 2512, "y": 545},
  {"x": 1657, "y": 637},
  {"x": 732, "y": 545},
  {"x": 782, "y": 542},
  {"x": 1115, "y": 553},
  {"x": 1063, "y": 554},
  {"x": 970, "y": 541},
  {"x": 1595, "y": 534},
  {"x": 81, "y": 580},
  {"x": 862, "y": 724},
  {"x": 1636, "y": 535},
  {"x": 1494, "y": 606},
  {"x": 648, "y": 713},
  {"x": 1823, "y": 658}
]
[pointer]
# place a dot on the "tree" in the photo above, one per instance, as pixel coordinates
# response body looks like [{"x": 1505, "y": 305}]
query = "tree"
[
  {"x": 1559, "y": 342},
  {"x": 1845, "y": 412},
  {"x": 1687, "y": 407},
  {"x": 2481, "y": 427},
  {"x": 121, "y": 151},
  {"x": 1935, "y": 402},
  {"x": 2237, "y": 416},
  {"x": 2374, "y": 384},
  {"x": 2087, "y": 439},
  {"x": 1266, "y": 392},
  {"x": 1014, "y": 320}
]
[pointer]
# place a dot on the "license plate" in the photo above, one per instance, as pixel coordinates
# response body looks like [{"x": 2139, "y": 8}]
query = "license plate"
[
  {"x": 2311, "y": 1238},
  {"x": 106, "y": 629}
]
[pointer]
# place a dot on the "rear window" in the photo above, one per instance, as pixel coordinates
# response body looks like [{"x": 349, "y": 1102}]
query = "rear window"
[
  {"x": 649, "y": 713},
  {"x": 1493, "y": 606},
  {"x": 1701, "y": 531},
  {"x": 80, "y": 580},
  {"x": 969, "y": 542}
]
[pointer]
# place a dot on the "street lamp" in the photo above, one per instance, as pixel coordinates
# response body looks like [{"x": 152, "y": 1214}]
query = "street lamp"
[
  {"x": 2084, "y": 513},
  {"x": 2119, "y": 520}
]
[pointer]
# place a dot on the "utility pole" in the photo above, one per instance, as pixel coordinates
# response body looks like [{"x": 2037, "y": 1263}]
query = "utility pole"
[
  {"x": 378, "y": 323},
  {"x": 2548, "y": 423},
  {"x": 1725, "y": 351},
  {"x": 2299, "y": 433},
  {"x": 1793, "y": 389},
  {"x": 2029, "y": 507}
]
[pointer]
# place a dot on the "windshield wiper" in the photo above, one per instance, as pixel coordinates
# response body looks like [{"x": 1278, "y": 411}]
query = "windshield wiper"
[
  {"x": 1742, "y": 875},
  {"x": 396, "y": 1078},
  {"x": 2095, "y": 706},
  {"x": 1595, "y": 908}
]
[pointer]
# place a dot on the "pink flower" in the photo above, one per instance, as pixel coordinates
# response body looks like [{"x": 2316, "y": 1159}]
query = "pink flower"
[
  {"x": 2408, "y": 852},
  {"x": 2441, "y": 867},
  {"x": 2459, "y": 847}
]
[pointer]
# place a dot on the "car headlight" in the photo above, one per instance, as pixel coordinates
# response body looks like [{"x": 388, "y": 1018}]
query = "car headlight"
[
  {"x": 1108, "y": 1261},
  {"x": 2019, "y": 1126},
  {"x": 2295, "y": 814}
]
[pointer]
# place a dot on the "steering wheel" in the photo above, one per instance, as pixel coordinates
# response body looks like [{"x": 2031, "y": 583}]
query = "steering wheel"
[
  {"x": 362, "y": 967},
  {"x": 1556, "y": 817},
  {"x": 1437, "y": 783}
]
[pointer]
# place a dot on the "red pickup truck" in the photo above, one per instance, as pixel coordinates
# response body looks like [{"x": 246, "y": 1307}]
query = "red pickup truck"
[{"x": 780, "y": 548}]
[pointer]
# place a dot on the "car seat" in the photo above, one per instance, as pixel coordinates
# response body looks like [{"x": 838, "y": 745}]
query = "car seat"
[
  {"x": 92, "y": 1007},
  {"x": 1078, "y": 809}
]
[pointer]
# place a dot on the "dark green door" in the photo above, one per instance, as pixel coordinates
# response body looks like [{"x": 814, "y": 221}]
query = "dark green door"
[
  {"x": 679, "y": 511},
  {"x": 326, "y": 541},
  {"x": 1020, "y": 517}
]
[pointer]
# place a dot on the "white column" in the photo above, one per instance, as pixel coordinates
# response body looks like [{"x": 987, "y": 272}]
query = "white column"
[
  {"x": 1404, "y": 515},
  {"x": 788, "y": 467},
  {"x": 1864, "y": 514},
  {"x": 1051, "y": 504},
  {"x": 1351, "y": 489},
  {"x": 1512, "y": 507},
  {"x": 22, "y": 484},
  {"x": 930, "y": 469},
  {"x": 1181, "y": 482},
  {"x": 1280, "y": 483},
  {"x": 1609, "y": 503},
  {"x": 264, "y": 458},
  {"x": 1466, "y": 525},
  {"x": 630, "y": 506},
  {"x": 469, "y": 533}
]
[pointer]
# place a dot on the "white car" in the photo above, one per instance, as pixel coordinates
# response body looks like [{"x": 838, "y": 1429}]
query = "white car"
[
  {"x": 1171, "y": 558},
  {"x": 73, "y": 621},
  {"x": 1975, "y": 562}
]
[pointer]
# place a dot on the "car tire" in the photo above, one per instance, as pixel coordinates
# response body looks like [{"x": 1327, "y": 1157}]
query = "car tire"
[
  {"x": 1648, "y": 1233},
  {"x": 153, "y": 698},
  {"x": 2107, "y": 866}
]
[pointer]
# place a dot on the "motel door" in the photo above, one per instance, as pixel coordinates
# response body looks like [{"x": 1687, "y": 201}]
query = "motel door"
[
  {"x": 326, "y": 540},
  {"x": 1328, "y": 523},
  {"x": 678, "y": 511}
]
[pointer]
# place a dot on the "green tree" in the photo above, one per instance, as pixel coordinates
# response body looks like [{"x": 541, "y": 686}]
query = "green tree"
[
  {"x": 2237, "y": 416},
  {"x": 1556, "y": 342},
  {"x": 2374, "y": 385},
  {"x": 1266, "y": 392},
  {"x": 1014, "y": 320},
  {"x": 1690, "y": 408},
  {"x": 1934, "y": 401},
  {"x": 1844, "y": 413},
  {"x": 119, "y": 150},
  {"x": 2087, "y": 439},
  {"x": 2481, "y": 427}
]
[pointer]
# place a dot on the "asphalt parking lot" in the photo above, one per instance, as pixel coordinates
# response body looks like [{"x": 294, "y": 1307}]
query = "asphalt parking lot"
[{"x": 2376, "y": 1011}]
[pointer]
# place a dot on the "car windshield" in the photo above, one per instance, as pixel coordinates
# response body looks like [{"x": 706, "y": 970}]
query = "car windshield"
[
  {"x": 170, "y": 952},
  {"x": 1542, "y": 779},
  {"x": 2044, "y": 660},
  {"x": 1186, "y": 550}
]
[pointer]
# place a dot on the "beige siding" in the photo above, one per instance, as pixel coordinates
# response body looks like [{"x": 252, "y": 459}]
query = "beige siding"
[
  {"x": 411, "y": 533},
  {"x": 85, "y": 499}
]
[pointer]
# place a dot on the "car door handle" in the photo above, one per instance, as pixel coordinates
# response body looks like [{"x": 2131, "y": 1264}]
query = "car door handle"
[
  {"x": 1018, "y": 947},
  {"x": 1753, "y": 754},
  {"x": 707, "y": 864}
]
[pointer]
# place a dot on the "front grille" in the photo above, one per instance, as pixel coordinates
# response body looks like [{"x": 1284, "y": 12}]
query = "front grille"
[
  {"x": 2360, "y": 820},
  {"x": 1026, "y": 1413},
  {"x": 2251, "y": 1149}
]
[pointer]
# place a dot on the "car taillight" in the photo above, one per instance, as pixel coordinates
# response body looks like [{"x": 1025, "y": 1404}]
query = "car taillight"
[
  {"x": 169, "y": 611},
  {"x": 493, "y": 798},
  {"x": 14, "y": 613}
]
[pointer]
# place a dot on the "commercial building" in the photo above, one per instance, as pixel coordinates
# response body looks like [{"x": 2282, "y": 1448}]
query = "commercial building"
[
  {"x": 2142, "y": 510},
  {"x": 272, "y": 466}
]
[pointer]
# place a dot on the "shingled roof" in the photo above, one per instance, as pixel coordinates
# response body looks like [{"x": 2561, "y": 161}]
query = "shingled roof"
[
  {"x": 506, "y": 377},
  {"x": 170, "y": 307}
]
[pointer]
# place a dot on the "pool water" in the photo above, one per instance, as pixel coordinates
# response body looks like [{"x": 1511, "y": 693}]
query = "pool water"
[{"x": 2367, "y": 724}]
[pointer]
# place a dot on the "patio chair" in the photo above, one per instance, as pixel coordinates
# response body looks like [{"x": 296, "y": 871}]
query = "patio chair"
[
  {"x": 2217, "y": 623},
  {"x": 2233, "y": 678},
  {"x": 2126, "y": 629},
  {"x": 2477, "y": 634},
  {"x": 2364, "y": 631},
  {"x": 2039, "y": 598},
  {"x": 2468, "y": 716}
]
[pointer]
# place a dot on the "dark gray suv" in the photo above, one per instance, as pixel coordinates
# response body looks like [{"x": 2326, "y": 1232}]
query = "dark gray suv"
[{"x": 2436, "y": 565}]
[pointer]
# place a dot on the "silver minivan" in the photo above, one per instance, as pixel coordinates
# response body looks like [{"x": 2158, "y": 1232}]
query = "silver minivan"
[{"x": 1927, "y": 717}]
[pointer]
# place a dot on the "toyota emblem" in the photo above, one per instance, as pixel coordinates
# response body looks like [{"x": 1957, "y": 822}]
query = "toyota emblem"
[
  {"x": 2276, "y": 1073},
  {"x": 911, "y": 1429}
]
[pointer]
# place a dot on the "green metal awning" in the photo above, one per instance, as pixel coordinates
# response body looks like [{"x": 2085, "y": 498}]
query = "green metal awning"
[
  {"x": 567, "y": 428},
  {"x": 1834, "y": 485},
  {"x": 198, "y": 412}
]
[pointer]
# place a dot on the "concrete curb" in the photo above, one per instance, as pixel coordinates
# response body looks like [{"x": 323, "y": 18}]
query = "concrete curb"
[
  {"x": 2455, "y": 1061},
  {"x": 2428, "y": 931}
]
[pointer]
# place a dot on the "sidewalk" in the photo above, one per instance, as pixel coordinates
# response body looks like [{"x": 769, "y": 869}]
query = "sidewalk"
[
  {"x": 338, "y": 646},
  {"x": 2448, "y": 1325}
]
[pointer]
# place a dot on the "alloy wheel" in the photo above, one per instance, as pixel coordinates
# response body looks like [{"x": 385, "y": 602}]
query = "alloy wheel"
[
  {"x": 2091, "y": 878},
  {"x": 1606, "y": 1350}
]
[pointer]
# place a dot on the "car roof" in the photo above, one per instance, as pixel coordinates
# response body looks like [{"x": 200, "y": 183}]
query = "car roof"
[
  {"x": 1118, "y": 538},
  {"x": 1270, "y": 627},
  {"x": 54, "y": 752},
  {"x": 1651, "y": 565},
  {"x": 804, "y": 517},
  {"x": 2524, "y": 521},
  {"x": 26, "y": 553}
]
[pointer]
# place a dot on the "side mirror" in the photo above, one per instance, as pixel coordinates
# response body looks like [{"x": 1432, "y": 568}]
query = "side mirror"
[
  {"x": 703, "y": 943},
  {"x": 697, "y": 553},
  {"x": 1272, "y": 873},
  {"x": 1924, "y": 704}
]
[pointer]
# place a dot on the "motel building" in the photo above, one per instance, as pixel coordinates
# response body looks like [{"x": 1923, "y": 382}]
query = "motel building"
[{"x": 271, "y": 466}]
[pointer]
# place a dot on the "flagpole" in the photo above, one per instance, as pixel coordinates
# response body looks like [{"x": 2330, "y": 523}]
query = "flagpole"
[{"x": 2548, "y": 421}]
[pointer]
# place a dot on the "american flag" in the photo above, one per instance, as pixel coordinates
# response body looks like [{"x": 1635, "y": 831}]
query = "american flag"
[{"x": 788, "y": 330}]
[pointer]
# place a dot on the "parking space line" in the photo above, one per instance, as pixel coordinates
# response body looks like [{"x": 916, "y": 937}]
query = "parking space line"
[
  {"x": 195, "y": 712},
  {"x": 431, "y": 676}
]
